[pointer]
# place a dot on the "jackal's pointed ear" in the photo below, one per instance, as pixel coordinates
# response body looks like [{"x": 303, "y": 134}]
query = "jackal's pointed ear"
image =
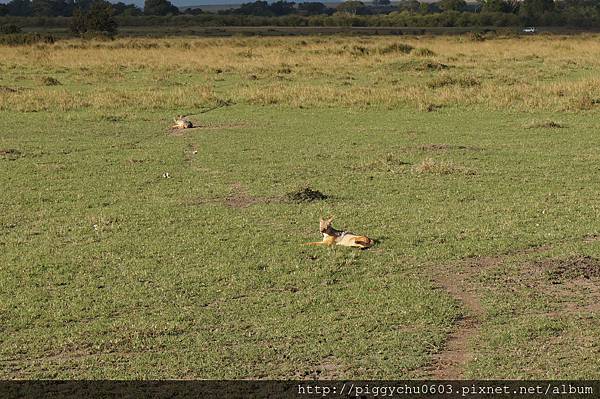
[{"x": 330, "y": 218}]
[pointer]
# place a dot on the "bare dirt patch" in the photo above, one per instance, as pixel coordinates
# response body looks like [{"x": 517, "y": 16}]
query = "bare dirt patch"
[
  {"x": 239, "y": 197},
  {"x": 328, "y": 369},
  {"x": 449, "y": 363},
  {"x": 240, "y": 125},
  {"x": 562, "y": 270},
  {"x": 458, "y": 280},
  {"x": 181, "y": 132},
  {"x": 571, "y": 283}
]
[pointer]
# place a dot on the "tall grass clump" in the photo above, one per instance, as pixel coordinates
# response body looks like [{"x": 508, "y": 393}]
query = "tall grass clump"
[
  {"x": 21, "y": 39},
  {"x": 396, "y": 48}
]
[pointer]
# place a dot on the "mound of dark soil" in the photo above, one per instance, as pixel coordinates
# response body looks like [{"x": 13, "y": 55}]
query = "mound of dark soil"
[
  {"x": 305, "y": 194},
  {"x": 559, "y": 270},
  {"x": 50, "y": 81}
]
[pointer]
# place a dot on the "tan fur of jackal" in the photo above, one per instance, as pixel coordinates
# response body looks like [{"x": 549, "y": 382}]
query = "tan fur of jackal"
[
  {"x": 181, "y": 122},
  {"x": 332, "y": 237}
]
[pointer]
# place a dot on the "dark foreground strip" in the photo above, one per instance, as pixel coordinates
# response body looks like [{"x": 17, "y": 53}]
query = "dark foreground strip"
[{"x": 298, "y": 389}]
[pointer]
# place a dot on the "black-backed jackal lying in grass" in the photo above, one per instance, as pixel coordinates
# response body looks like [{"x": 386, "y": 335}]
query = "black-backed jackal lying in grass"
[
  {"x": 181, "y": 122},
  {"x": 332, "y": 237}
]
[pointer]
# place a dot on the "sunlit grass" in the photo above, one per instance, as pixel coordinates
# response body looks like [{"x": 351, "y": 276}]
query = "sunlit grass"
[{"x": 129, "y": 251}]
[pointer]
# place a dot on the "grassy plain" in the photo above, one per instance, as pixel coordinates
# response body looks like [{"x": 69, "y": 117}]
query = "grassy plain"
[{"x": 474, "y": 163}]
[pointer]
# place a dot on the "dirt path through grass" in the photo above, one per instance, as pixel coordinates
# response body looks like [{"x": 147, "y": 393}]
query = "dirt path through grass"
[
  {"x": 456, "y": 279},
  {"x": 449, "y": 363}
]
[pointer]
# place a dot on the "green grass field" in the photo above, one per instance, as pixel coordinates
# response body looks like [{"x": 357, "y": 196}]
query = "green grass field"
[{"x": 485, "y": 209}]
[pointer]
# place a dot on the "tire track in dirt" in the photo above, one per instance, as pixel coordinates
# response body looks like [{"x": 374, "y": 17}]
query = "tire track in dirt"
[{"x": 450, "y": 362}]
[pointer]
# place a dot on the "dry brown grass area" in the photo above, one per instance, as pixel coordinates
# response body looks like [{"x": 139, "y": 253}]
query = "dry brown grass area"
[{"x": 544, "y": 72}]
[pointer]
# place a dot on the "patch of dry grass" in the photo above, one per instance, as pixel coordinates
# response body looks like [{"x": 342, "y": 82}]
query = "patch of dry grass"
[
  {"x": 498, "y": 73},
  {"x": 39, "y": 99}
]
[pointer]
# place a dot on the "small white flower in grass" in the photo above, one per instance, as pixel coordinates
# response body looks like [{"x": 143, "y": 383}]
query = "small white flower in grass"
[
  {"x": 194, "y": 152},
  {"x": 95, "y": 226},
  {"x": 166, "y": 175}
]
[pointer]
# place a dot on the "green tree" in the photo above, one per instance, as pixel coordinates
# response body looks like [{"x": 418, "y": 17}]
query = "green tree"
[
  {"x": 159, "y": 7},
  {"x": 493, "y": 5},
  {"x": 193, "y": 11},
  {"x": 282, "y": 8},
  {"x": 77, "y": 24},
  {"x": 409, "y": 5},
  {"x": 99, "y": 18},
  {"x": 424, "y": 8},
  {"x": 452, "y": 5},
  {"x": 258, "y": 8},
  {"x": 533, "y": 10},
  {"x": 83, "y": 5},
  {"x": 312, "y": 8},
  {"x": 352, "y": 7},
  {"x": 500, "y": 5},
  {"x": 50, "y": 8},
  {"x": 121, "y": 8},
  {"x": 511, "y": 6}
]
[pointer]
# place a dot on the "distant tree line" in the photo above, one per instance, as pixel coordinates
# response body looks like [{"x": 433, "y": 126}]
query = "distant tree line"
[
  {"x": 545, "y": 12},
  {"x": 60, "y": 8},
  {"x": 91, "y": 15}
]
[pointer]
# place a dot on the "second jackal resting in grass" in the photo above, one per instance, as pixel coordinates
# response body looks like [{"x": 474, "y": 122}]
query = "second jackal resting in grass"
[
  {"x": 332, "y": 237},
  {"x": 181, "y": 122}
]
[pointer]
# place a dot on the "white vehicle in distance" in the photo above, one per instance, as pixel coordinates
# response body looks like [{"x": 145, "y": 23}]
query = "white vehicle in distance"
[{"x": 529, "y": 29}]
